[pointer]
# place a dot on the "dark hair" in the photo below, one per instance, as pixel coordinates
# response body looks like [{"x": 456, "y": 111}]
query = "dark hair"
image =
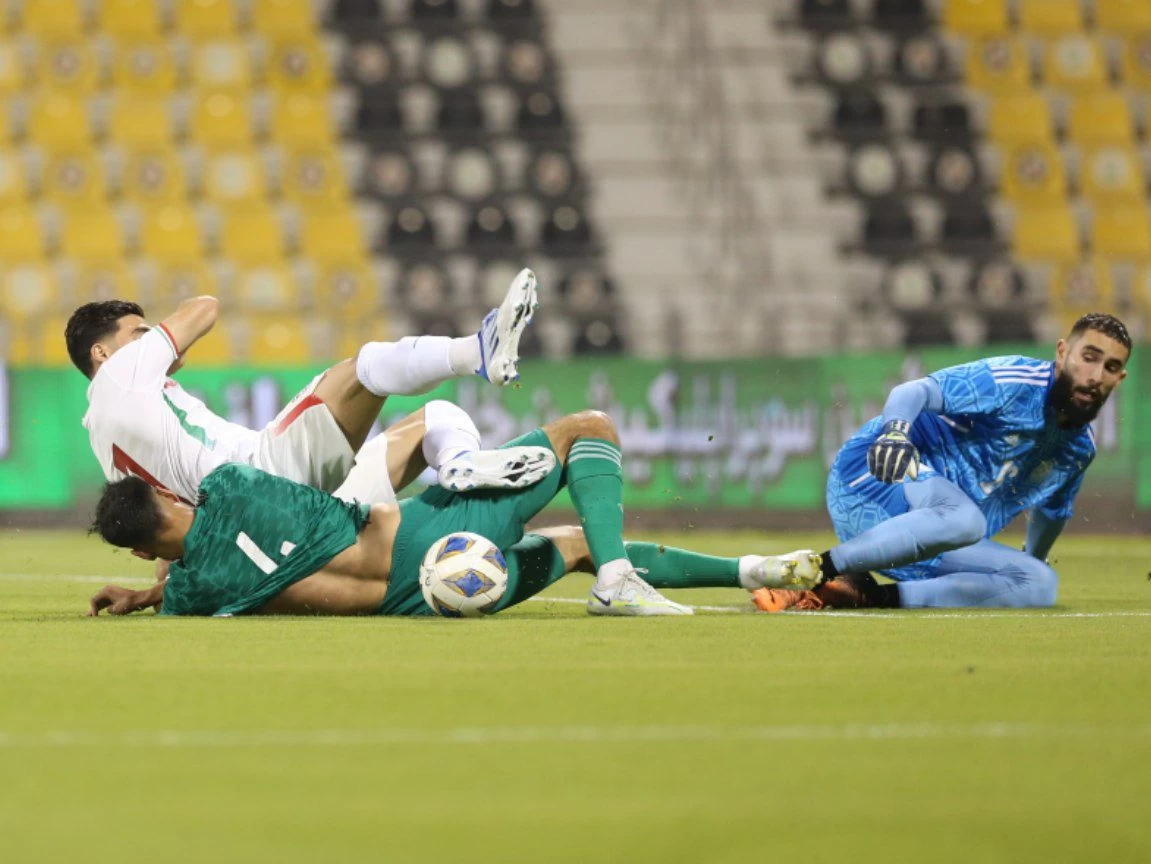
[
  {"x": 1106, "y": 324},
  {"x": 91, "y": 323},
  {"x": 128, "y": 514}
]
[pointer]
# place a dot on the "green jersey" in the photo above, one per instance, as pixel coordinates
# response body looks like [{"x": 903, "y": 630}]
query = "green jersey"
[{"x": 254, "y": 535}]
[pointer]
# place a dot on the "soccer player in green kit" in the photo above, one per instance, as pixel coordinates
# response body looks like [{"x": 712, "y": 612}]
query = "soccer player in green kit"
[{"x": 258, "y": 544}]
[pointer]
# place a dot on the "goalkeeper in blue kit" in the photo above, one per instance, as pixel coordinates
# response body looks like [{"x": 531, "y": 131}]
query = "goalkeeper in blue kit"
[{"x": 918, "y": 493}]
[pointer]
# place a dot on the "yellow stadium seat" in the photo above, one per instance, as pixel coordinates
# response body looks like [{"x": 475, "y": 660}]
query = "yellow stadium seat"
[
  {"x": 1033, "y": 175},
  {"x": 58, "y": 122},
  {"x": 222, "y": 65},
  {"x": 235, "y": 179},
  {"x": 975, "y": 17},
  {"x": 299, "y": 66},
  {"x": 51, "y": 349},
  {"x": 21, "y": 236},
  {"x": 1122, "y": 232},
  {"x": 1050, "y": 17},
  {"x": 175, "y": 283},
  {"x": 68, "y": 67},
  {"x": 206, "y": 19},
  {"x": 348, "y": 291},
  {"x": 313, "y": 178},
  {"x": 12, "y": 72},
  {"x": 221, "y": 121},
  {"x": 332, "y": 237},
  {"x": 74, "y": 179},
  {"x": 997, "y": 66},
  {"x": 18, "y": 343},
  {"x": 28, "y": 291},
  {"x": 106, "y": 280},
  {"x": 1137, "y": 61},
  {"x": 252, "y": 238},
  {"x": 154, "y": 178},
  {"x": 277, "y": 340},
  {"x": 1123, "y": 16},
  {"x": 129, "y": 18},
  {"x": 53, "y": 18},
  {"x": 1141, "y": 292},
  {"x": 1079, "y": 288},
  {"x": 171, "y": 235},
  {"x": 1112, "y": 175},
  {"x": 1076, "y": 63},
  {"x": 140, "y": 122},
  {"x": 267, "y": 288},
  {"x": 144, "y": 68},
  {"x": 302, "y": 121},
  {"x": 1101, "y": 118},
  {"x": 13, "y": 179},
  {"x": 92, "y": 236},
  {"x": 1046, "y": 234},
  {"x": 217, "y": 347},
  {"x": 283, "y": 17},
  {"x": 1020, "y": 120}
]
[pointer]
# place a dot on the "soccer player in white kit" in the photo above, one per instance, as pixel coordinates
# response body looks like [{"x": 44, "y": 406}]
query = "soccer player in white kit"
[{"x": 141, "y": 422}]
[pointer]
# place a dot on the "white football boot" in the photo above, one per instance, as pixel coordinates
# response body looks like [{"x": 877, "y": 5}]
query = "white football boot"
[
  {"x": 510, "y": 468},
  {"x": 502, "y": 327},
  {"x": 796, "y": 571},
  {"x": 632, "y": 596}
]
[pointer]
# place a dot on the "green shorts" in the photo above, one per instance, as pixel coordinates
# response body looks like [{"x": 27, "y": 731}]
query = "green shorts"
[{"x": 500, "y": 515}]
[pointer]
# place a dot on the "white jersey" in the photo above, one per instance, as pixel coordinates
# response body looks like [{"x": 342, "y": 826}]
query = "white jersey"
[{"x": 143, "y": 423}]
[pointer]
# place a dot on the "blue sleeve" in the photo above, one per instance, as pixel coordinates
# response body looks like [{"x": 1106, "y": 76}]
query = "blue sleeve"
[
  {"x": 1042, "y": 532},
  {"x": 969, "y": 389},
  {"x": 912, "y": 398},
  {"x": 1061, "y": 505}
]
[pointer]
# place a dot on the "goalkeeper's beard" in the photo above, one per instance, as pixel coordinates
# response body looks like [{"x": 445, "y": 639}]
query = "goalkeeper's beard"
[{"x": 1073, "y": 415}]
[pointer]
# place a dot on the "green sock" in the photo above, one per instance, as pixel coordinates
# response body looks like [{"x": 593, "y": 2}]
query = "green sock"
[
  {"x": 678, "y": 568},
  {"x": 595, "y": 482},
  {"x": 533, "y": 564}
]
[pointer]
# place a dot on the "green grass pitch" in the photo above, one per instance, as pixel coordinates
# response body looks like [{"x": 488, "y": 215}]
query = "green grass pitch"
[{"x": 544, "y": 736}]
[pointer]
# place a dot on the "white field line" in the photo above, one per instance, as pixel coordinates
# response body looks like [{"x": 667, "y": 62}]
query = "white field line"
[{"x": 484, "y": 735}]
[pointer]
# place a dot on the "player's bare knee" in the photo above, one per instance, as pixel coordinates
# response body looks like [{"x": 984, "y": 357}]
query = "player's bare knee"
[{"x": 597, "y": 424}]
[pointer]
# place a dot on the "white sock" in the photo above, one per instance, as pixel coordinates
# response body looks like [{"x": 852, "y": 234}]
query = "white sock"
[
  {"x": 448, "y": 432},
  {"x": 746, "y": 564},
  {"x": 611, "y": 572},
  {"x": 415, "y": 364}
]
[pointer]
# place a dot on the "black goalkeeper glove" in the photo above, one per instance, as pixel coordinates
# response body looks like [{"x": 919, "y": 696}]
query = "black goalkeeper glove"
[{"x": 893, "y": 457}]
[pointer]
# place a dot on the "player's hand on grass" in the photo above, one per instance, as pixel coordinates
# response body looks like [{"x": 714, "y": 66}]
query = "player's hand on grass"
[
  {"x": 893, "y": 457},
  {"x": 124, "y": 601}
]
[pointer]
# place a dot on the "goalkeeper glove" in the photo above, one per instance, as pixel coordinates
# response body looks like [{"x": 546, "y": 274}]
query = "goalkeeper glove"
[{"x": 893, "y": 457}]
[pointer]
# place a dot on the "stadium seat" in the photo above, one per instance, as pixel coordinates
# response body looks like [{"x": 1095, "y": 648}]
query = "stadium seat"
[
  {"x": 1046, "y": 234},
  {"x": 595, "y": 337},
  {"x": 12, "y": 71},
  {"x": 74, "y": 179},
  {"x": 585, "y": 291},
  {"x": 252, "y": 238},
  {"x": 50, "y": 349},
  {"x": 105, "y": 280},
  {"x": 199, "y": 20},
  {"x": 68, "y": 67},
  {"x": 58, "y": 122},
  {"x": 299, "y": 66},
  {"x": 975, "y": 17},
  {"x": 313, "y": 178},
  {"x": 52, "y": 18},
  {"x": 1081, "y": 287},
  {"x": 526, "y": 63},
  {"x": 279, "y": 340},
  {"x": 1050, "y": 17},
  {"x": 997, "y": 66},
  {"x": 347, "y": 291},
  {"x": 266, "y": 287},
  {"x": 1123, "y": 16},
  {"x": 175, "y": 283},
  {"x": 235, "y": 179},
  {"x": 461, "y": 113},
  {"x": 356, "y": 11},
  {"x": 13, "y": 179},
  {"x": 28, "y": 291},
  {"x": 967, "y": 228},
  {"x": 900, "y": 15},
  {"x": 300, "y": 121},
  {"x": 379, "y": 113},
  {"x": 1140, "y": 294},
  {"x": 392, "y": 174},
  {"x": 433, "y": 10},
  {"x": 369, "y": 63},
  {"x": 996, "y": 284},
  {"x": 1020, "y": 120},
  {"x": 448, "y": 62},
  {"x": 332, "y": 236},
  {"x": 221, "y": 65},
  {"x": 278, "y": 18},
  {"x": 137, "y": 122},
  {"x": 920, "y": 59},
  {"x": 1112, "y": 175},
  {"x": 954, "y": 171},
  {"x": 1075, "y": 63},
  {"x": 221, "y": 121},
  {"x": 821, "y": 14},
  {"x": 551, "y": 174},
  {"x": 1033, "y": 175},
  {"x": 216, "y": 348},
  {"x": 1101, "y": 118},
  {"x": 490, "y": 228},
  {"x": 539, "y": 112},
  {"x": 412, "y": 229},
  {"x": 154, "y": 178},
  {"x": 171, "y": 235},
  {"x": 946, "y": 121},
  {"x": 1137, "y": 61},
  {"x": 873, "y": 170},
  {"x": 566, "y": 232},
  {"x": 131, "y": 19},
  {"x": 21, "y": 236},
  {"x": 92, "y": 236},
  {"x": 1122, "y": 232},
  {"x": 144, "y": 68},
  {"x": 859, "y": 114}
]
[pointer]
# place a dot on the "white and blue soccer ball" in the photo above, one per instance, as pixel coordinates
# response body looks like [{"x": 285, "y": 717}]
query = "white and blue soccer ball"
[{"x": 463, "y": 575}]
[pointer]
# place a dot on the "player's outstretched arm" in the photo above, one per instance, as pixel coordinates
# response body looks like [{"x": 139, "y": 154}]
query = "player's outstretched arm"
[
  {"x": 124, "y": 601},
  {"x": 1042, "y": 532},
  {"x": 191, "y": 320}
]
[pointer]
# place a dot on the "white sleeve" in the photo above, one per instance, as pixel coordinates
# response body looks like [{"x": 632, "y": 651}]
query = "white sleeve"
[{"x": 143, "y": 364}]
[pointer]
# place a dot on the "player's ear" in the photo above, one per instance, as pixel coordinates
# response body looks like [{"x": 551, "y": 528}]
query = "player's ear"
[{"x": 1060, "y": 351}]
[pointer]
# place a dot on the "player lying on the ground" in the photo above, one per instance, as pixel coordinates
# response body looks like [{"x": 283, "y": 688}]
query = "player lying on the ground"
[
  {"x": 141, "y": 422},
  {"x": 918, "y": 493},
  {"x": 260, "y": 544}
]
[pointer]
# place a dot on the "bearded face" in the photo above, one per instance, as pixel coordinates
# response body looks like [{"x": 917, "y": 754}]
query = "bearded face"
[{"x": 1087, "y": 368}]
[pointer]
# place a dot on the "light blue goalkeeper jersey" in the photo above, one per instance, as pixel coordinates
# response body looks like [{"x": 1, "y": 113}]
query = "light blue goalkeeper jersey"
[{"x": 996, "y": 439}]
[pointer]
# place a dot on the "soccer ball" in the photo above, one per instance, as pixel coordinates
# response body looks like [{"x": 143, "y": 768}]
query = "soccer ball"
[{"x": 463, "y": 575}]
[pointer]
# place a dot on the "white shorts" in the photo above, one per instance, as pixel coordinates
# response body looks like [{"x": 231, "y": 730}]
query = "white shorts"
[{"x": 304, "y": 443}]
